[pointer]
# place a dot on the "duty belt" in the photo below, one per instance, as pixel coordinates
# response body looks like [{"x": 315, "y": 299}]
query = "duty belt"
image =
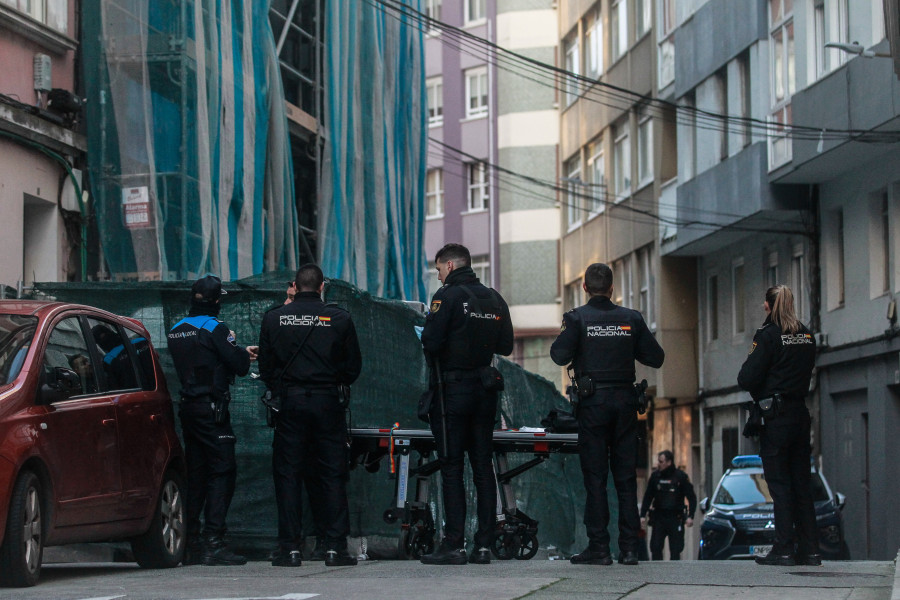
[
  {"x": 460, "y": 374},
  {"x": 310, "y": 388}
]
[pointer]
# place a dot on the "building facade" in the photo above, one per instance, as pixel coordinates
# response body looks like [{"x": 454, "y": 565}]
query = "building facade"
[
  {"x": 488, "y": 124},
  {"x": 41, "y": 154},
  {"x": 618, "y": 160}
]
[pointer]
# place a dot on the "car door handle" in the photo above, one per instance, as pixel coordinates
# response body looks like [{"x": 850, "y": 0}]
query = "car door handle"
[{"x": 108, "y": 422}]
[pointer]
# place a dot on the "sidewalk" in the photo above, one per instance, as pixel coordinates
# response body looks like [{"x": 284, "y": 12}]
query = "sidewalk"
[{"x": 537, "y": 579}]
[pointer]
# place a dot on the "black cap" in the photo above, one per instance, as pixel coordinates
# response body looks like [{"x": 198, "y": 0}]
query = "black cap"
[{"x": 207, "y": 289}]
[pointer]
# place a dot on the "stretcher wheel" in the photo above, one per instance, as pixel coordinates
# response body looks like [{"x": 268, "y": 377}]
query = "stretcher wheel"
[
  {"x": 528, "y": 546},
  {"x": 420, "y": 544},
  {"x": 504, "y": 546},
  {"x": 402, "y": 546},
  {"x": 390, "y": 516}
]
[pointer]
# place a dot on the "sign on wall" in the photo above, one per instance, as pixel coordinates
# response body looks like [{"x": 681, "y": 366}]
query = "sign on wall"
[{"x": 136, "y": 207}]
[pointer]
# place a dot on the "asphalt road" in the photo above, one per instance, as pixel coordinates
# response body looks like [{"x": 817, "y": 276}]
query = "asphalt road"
[{"x": 537, "y": 579}]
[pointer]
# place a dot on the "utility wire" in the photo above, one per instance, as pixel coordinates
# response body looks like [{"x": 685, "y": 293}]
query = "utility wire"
[{"x": 685, "y": 114}]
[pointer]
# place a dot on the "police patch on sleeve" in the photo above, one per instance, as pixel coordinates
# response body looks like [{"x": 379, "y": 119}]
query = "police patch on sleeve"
[
  {"x": 563, "y": 326},
  {"x": 435, "y": 305},
  {"x": 752, "y": 348}
]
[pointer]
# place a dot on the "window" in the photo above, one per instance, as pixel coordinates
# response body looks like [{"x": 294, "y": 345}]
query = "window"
[
  {"x": 837, "y": 23},
  {"x": 819, "y": 40},
  {"x": 798, "y": 279},
  {"x": 738, "y": 296},
  {"x": 476, "y": 92},
  {"x": 68, "y": 368},
  {"x": 666, "y": 51},
  {"x": 117, "y": 372},
  {"x": 36, "y": 9},
  {"x": 712, "y": 308},
  {"x": 879, "y": 244},
  {"x": 645, "y": 304},
  {"x": 433, "y": 11},
  {"x": 482, "y": 267},
  {"x": 781, "y": 44},
  {"x": 622, "y": 288},
  {"x": 597, "y": 171},
  {"x": 574, "y": 295},
  {"x": 572, "y": 66},
  {"x": 434, "y": 194},
  {"x": 720, "y": 80},
  {"x": 622, "y": 163},
  {"x": 593, "y": 43},
  {"x": 642, "y": 14},
  {"x": 435, "y": 90},
  {"x": 743, "y": 63},
  {"x": 574, "y": 190},
  {"x": 474, "y": 11},
  {"x": 772, "y": 268},
  {"x": 645, "y": 151},
  {"x": 479, "y": 192},
  {"x": 688, "y": 132},
  {"x": 618, "y": 24}
]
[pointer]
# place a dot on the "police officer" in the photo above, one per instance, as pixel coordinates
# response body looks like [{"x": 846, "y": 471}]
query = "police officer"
[
  {"x": 206, "y": 359},
  {"x": 307, "y": 349},
  {"x": 777, "y": 372},
  {"x": 667, "y": 490},
  {"x": 467, "y": 325},
  {"x": 601, "y": 341}
]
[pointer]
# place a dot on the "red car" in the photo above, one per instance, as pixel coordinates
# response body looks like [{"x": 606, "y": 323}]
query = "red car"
[{"x": 88, "y": 449}]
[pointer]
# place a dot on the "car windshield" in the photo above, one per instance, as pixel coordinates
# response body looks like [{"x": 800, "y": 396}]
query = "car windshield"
[
  {"x": 16, "y": 333},
  {"x": 751, "y": 488}
]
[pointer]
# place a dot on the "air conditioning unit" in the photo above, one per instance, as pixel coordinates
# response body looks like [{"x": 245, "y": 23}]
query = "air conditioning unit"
[
  {"x": 821, "y": 339},
  {"x": 43, "y": 80}
]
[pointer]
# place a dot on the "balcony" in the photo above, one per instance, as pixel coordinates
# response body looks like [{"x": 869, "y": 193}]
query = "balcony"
[{"x": 731, "y": 201}]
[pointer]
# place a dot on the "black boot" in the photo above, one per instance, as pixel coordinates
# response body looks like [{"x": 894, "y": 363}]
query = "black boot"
[
  {"x": 776, "y": 559},
  {"x": 445, "y": 555},
  {"x": 339, "y": 558},
  {"x": 216, "y": 553},
  {"x": 287, "y": 558},
  {"x": 628, "y": 557},
  {"x": 592, "y": 557}
]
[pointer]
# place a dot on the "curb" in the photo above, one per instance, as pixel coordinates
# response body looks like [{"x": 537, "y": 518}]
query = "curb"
[{"x": 895, "y": 591}]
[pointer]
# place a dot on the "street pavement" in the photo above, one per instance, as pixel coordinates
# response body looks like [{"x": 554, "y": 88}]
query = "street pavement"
[{"x": 536, "y": 579}]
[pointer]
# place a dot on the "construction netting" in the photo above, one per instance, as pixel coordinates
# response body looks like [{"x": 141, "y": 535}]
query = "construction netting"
[
  {"x": 393, "y": 376},
  {"x": 371, "y": 219},
  {"x": 188, "y": 151}
]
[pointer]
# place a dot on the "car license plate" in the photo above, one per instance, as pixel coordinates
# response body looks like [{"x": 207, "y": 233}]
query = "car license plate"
[{"x": 760, "y": 550}]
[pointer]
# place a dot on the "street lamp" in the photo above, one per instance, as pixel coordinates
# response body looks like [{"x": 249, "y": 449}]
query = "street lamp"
[{"x": 858, "y": 49}]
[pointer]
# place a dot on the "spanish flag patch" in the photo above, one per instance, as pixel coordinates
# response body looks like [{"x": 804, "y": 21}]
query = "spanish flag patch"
[
  {"x": 325, "y": 319},
  {"x": 435, "y": 305}
]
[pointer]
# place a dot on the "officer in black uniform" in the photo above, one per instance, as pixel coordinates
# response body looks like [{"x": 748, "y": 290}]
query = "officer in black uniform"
[
  {"x": 206, "y": 359},
  {"x": 777, "y": 371},
  {"x": 667, "y": 490},
  {"x": 467, "y": 325},
  {"x": 307, "y": 349},
  {"x": 601, "y": 341}
]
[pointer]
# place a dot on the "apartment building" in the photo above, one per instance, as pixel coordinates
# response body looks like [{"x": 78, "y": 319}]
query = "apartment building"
[
  {"x": 854, "y": 180},
  {"x": 617, "y": 159},
  {"x": 41, "y": 237},
  {"x": 488, "y": 125}
]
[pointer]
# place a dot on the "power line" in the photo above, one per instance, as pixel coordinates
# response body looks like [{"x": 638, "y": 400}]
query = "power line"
[{"x": 696, "y": 117}]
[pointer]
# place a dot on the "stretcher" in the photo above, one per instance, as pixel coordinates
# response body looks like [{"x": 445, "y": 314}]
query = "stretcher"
[{"x": 516, "y": 532}]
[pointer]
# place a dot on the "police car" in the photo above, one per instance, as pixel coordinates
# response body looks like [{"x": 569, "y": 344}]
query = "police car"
[{"x": 739, "y": 522}]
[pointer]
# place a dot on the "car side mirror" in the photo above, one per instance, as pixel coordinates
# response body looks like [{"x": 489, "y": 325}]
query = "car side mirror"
[
  {"x": 59, "y": 384},
  {"x": 704, "y": 505},
  {"x": 840, "y": 500}
]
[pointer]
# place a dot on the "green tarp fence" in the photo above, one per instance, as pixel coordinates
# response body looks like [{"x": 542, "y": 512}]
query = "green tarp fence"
[{"x": 387, "y": 391}]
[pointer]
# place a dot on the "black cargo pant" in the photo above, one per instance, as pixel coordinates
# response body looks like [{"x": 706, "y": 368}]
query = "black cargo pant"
[
  {"x": 310, "y": 446},
  {"x": 470, "y": 429},
  {"x": 785, "y": 451},
  {"x": 607, "y": 441},
  {"x": 671, "y": 525},
  {"x": 211, "y": 467}
]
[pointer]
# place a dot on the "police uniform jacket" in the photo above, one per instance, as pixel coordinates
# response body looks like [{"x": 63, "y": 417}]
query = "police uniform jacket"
[
  {"x": 667, "y": 490},
  {"x": 778, "y": 362},
  {"x": 206, "y": 356},
  {"x": 465, "y": 333},
  {"x": 602, "y": 340},
  {"x": 329, "y": 355}
]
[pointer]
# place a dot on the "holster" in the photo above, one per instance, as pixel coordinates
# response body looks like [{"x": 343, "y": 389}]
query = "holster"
[
  {"x": 754, "y": 421},
  {"x": 584, "y": 386},
  {"x": 272, "y": 402},
  {"x": 344, "y": 395},
  {"x": 220, "y": 407},
  {"x": 640, "y": 396},
  {"x": 491, "y": 379}
]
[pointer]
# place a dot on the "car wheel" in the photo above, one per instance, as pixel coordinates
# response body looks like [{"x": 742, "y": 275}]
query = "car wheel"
[
  {"x": 23, "y": 544},
  {"x": 162, "y": 546}
]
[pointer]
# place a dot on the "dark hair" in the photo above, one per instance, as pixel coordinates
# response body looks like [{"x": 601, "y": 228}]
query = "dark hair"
[
  {"x": 598, "y": 279},
  {"x": 458, "y": 253},
  {"x": 667, "y": 454},
  {"x": 309, "y": 278},
  {"x": 781, "y": 305}
]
